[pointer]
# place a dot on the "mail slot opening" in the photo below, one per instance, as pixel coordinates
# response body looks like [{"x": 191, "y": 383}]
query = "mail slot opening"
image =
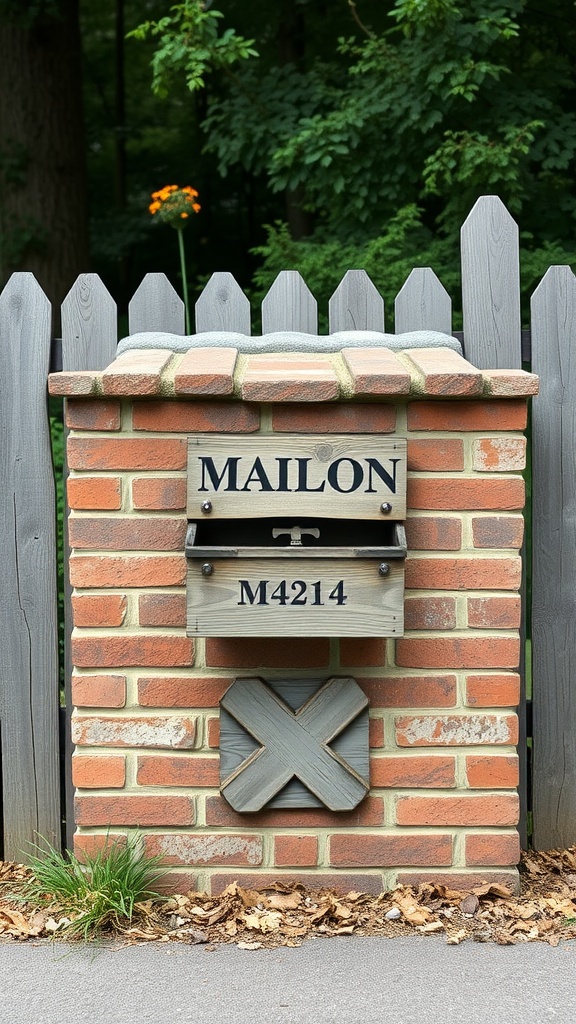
[{"x": 297, "y": 536}]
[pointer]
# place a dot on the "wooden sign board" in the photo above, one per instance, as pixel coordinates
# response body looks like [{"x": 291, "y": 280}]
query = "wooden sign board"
[
  {"x": 345, "y": 476},
  {"x": 294, "y": 743},
  {"x": 291, "y": 597}
]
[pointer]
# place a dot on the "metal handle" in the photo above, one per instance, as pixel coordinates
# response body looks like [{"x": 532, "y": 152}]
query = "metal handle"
[{"x": 296, "y": 533}]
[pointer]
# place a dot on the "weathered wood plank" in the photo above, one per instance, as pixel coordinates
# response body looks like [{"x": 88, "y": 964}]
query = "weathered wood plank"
[
  {"x": 423, "y": 304},
  {"x": 289, "y": 305},
  {"x": 89, "y": 340},
  {"x": 339, "y": 476},
  {"x": 156, "y": 306},
  {"x": 89, "y": 329},
  {"x": 236, "y": 744},
  {"x": 491, "y": 286},
  {"x": 294, "y": 744},
  {"x": 28, "y": 589},
  {"x": 223, "y": 306},
  {"x": 356, "y": 305},
  {"x": 285, "y": 597},
  {"x": 554, "y": 560}
]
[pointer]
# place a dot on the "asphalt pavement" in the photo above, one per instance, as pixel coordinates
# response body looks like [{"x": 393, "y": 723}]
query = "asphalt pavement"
[{"x": 348, "y": 980}]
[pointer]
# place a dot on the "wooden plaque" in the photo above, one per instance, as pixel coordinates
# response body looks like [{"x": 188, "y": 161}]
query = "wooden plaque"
[
  {"x": 330, "y": 475},
  {"x": 297, "y": 723},
  {"x": 290, "y": 597}
]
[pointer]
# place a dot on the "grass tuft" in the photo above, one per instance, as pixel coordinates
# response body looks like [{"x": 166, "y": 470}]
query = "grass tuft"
[{"x": 100, "y": 891}]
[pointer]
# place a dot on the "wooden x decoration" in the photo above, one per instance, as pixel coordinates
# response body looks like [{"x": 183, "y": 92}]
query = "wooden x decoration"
[{"x": 294, "y": 743}]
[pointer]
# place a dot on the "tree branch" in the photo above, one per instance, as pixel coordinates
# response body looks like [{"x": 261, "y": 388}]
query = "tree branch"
[{"x": 368, "y": 32}]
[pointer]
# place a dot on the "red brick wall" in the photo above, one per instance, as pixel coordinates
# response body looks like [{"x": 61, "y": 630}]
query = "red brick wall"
[{"x": 443, "y": 729}]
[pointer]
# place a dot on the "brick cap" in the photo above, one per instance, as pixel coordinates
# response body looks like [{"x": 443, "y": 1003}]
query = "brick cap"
[{"x": 313, "y": 376}]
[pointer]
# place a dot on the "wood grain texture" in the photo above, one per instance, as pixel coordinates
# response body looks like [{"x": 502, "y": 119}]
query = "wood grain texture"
[
  {"x": 423, "y": 304},
  {"x": 237, "y": 599},
  {"x": 28, "y": 589},
  {"x": 223, "y": 306},
  {"x": 156, "y": 306},
  {"x": 356, "y": 305},
  {"x": 554, "y": 560},
  {"x": 289, "y": 305},
  {"x": 89, "y": 329},
  {"x": 322, "y": 453},
  {"x": 294, "y": 743},
  {"x": 89, "y": 341},
  {"x": 491, "y": 286}
]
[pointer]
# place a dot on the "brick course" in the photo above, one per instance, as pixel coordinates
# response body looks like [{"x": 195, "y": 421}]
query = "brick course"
[
  {"x": 295, "y": 851},
  {"x": 94, "y": 492},
  {"x": 161, "y": 494},
  {"x": 99, "y": 691},
  {"x": 443, "y": 763},
  {"x": 365, "y": 851}
]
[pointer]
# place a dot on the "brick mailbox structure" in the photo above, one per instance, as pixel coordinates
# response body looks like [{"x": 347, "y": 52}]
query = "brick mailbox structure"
[{"x": 441, "y": 798}]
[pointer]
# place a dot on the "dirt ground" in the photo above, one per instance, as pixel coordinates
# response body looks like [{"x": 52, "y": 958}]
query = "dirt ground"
[{"x": 544, "y": 910}]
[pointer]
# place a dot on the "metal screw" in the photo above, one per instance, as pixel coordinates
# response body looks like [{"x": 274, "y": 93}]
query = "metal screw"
[
  {"x": 385, "y": 507},
  {"x": 207, "y": 569},
  {"x": 206, "y": 507},
  {"x": 383, "y": 569}
]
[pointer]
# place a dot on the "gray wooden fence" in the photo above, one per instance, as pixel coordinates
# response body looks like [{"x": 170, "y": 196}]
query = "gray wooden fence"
[{"x": 492, "y": 338}]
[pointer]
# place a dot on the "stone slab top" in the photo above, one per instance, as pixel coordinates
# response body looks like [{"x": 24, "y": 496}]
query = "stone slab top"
[
  {"x": 352, "y": 371},
  {"x": 289, "y": 341}
]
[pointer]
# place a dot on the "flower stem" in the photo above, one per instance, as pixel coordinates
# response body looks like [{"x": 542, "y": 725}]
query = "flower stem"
[{"x": 184, "y": 278}]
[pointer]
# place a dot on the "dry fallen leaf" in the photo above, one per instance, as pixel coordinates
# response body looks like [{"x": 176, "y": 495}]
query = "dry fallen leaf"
[
  {"x": 432, "y": 926},
  {"x": 412, "y": 912},
  {"x": 15, "y": 922},
  {"x": 284, "y": 901},
  {"x": 492, "y": 889},
  {"x": 249, "y": 897},
  {"x": 545, "y": 911}
]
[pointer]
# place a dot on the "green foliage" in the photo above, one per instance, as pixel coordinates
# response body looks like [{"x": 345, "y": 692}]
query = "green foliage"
[
  {"x": 467, "y": 163},
  {"x": 338, "y": 126},
  {"x": 98, "y": 891},
  {"x": 190, "y": 45},
  {"x": 457, "y": 99},
  {"x": 262, "y": 113},
  {"x": 403, "y": 244}
]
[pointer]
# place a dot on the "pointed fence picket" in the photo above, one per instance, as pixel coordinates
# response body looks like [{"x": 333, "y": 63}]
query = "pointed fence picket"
[
  {"x": 156, "y": 306},
  {"x": 223, "y": 306},
  {"x": 423, "y": 304},
  {"x": 491, "y": 286},
  {"x": 554, "y": 565},
  {"x": 356, "y": 305},
  {"x": 28, "y": 591},
  {"x": 289, "y": 305},
  {"x": 491, "y": 338}
]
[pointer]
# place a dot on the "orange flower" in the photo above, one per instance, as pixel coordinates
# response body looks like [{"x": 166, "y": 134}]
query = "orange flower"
[{"x": 174, "y": 204}]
